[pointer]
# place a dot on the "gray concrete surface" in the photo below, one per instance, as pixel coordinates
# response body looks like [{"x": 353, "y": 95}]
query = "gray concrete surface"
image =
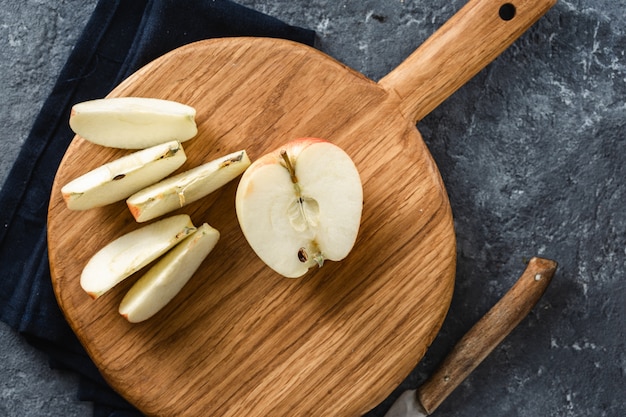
[{"x": 533, "y": 154}]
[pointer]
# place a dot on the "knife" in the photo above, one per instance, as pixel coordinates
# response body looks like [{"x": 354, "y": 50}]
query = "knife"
[{"x": 478, "y": 342}]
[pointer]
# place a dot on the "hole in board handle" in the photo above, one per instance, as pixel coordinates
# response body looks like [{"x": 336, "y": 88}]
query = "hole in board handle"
[{"x": 507, "y": 11}]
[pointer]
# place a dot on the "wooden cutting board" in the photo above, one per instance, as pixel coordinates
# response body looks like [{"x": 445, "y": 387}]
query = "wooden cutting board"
[{"x": 239, "y": 340}]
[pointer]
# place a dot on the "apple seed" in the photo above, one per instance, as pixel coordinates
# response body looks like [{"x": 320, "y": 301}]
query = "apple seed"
[{"x": 302, "y": 255}]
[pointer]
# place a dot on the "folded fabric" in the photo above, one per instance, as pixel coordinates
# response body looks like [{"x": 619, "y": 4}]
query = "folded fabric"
[{"x": 120, "y": 37}]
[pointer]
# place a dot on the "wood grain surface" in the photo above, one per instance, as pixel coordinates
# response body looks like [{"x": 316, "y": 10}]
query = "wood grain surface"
[{"x": 239, "y": 339}]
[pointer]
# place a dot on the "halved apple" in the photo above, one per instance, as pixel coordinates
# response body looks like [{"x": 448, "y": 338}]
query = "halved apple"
[
  {"x": 186, "y": 187},
  {"x": 122, "y": 177},
  {"x": 129, "y": 253},
  {"x": 301, "y": 205},
  {"x": 133, "y": 122},
  {"x": 168, "y": 276}
]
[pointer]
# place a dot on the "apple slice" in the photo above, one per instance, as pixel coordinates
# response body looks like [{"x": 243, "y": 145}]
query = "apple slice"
[
  {"x": 168, "y": 276},
  {"x": 133, "y": 122},
  {"x": 300, "y": 205},
  {"x": 129, "y": 253},
  {"x": 186, "y": 187},
  {"x": 122, "y": 177}
]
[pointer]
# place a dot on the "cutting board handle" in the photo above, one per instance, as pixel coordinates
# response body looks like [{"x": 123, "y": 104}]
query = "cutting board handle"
[{"x": 463, "y": 46}]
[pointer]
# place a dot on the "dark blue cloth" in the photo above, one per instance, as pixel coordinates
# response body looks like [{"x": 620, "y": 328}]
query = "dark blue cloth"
[{"x": 120, "y": 37}]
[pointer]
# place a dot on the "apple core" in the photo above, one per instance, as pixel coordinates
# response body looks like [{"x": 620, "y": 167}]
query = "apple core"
[{"x": 303, "y": 214}]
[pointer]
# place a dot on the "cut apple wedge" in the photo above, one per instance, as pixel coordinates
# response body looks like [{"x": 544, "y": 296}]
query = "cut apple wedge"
[
  {"x": 300, "y": 205},
  {"x": 168, "y": 276},
  {"x": 129, "y": 253},
  {"x": 122, "y": 177},
  {"x": 133, "y": 122},
  {"x": 186, "y": 187}
]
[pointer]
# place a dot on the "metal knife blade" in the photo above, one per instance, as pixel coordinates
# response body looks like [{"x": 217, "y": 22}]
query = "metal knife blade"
[{"x": 407, "y": 405}]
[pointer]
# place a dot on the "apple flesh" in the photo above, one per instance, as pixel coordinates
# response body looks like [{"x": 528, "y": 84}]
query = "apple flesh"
[
  {"x": 186, "y": 187},
  {"x": 122, "y": 177},
  {"x": 300, "y": 205},
  {"x": 168, "y": 276},
  {"x": 133, "y": 122},
  {"x": 129, "y": 253}
]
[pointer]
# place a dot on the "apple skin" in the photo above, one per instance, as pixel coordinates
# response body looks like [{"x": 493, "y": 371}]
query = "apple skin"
[{"x": 297, "y": 214}]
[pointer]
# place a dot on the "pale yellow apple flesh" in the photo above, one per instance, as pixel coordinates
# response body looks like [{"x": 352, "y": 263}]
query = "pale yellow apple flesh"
[
  {"x": 300, "y": 205},
  {"x": 129, "y": 253},
  {"x": 186, "y": 187},
  {"x": 168, "y": 276},
  {"x": 133, "y": 122},
  {"x": 122, "y": 177}
]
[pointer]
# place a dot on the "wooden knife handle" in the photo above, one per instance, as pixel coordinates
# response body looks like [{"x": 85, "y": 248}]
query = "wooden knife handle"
[
  {"x": 457, "y": 51},
  {"x": 487, "y": 333}
]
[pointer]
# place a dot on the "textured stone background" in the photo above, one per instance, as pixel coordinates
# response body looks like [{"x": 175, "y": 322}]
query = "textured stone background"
[{"x": 533, "y": 154}]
